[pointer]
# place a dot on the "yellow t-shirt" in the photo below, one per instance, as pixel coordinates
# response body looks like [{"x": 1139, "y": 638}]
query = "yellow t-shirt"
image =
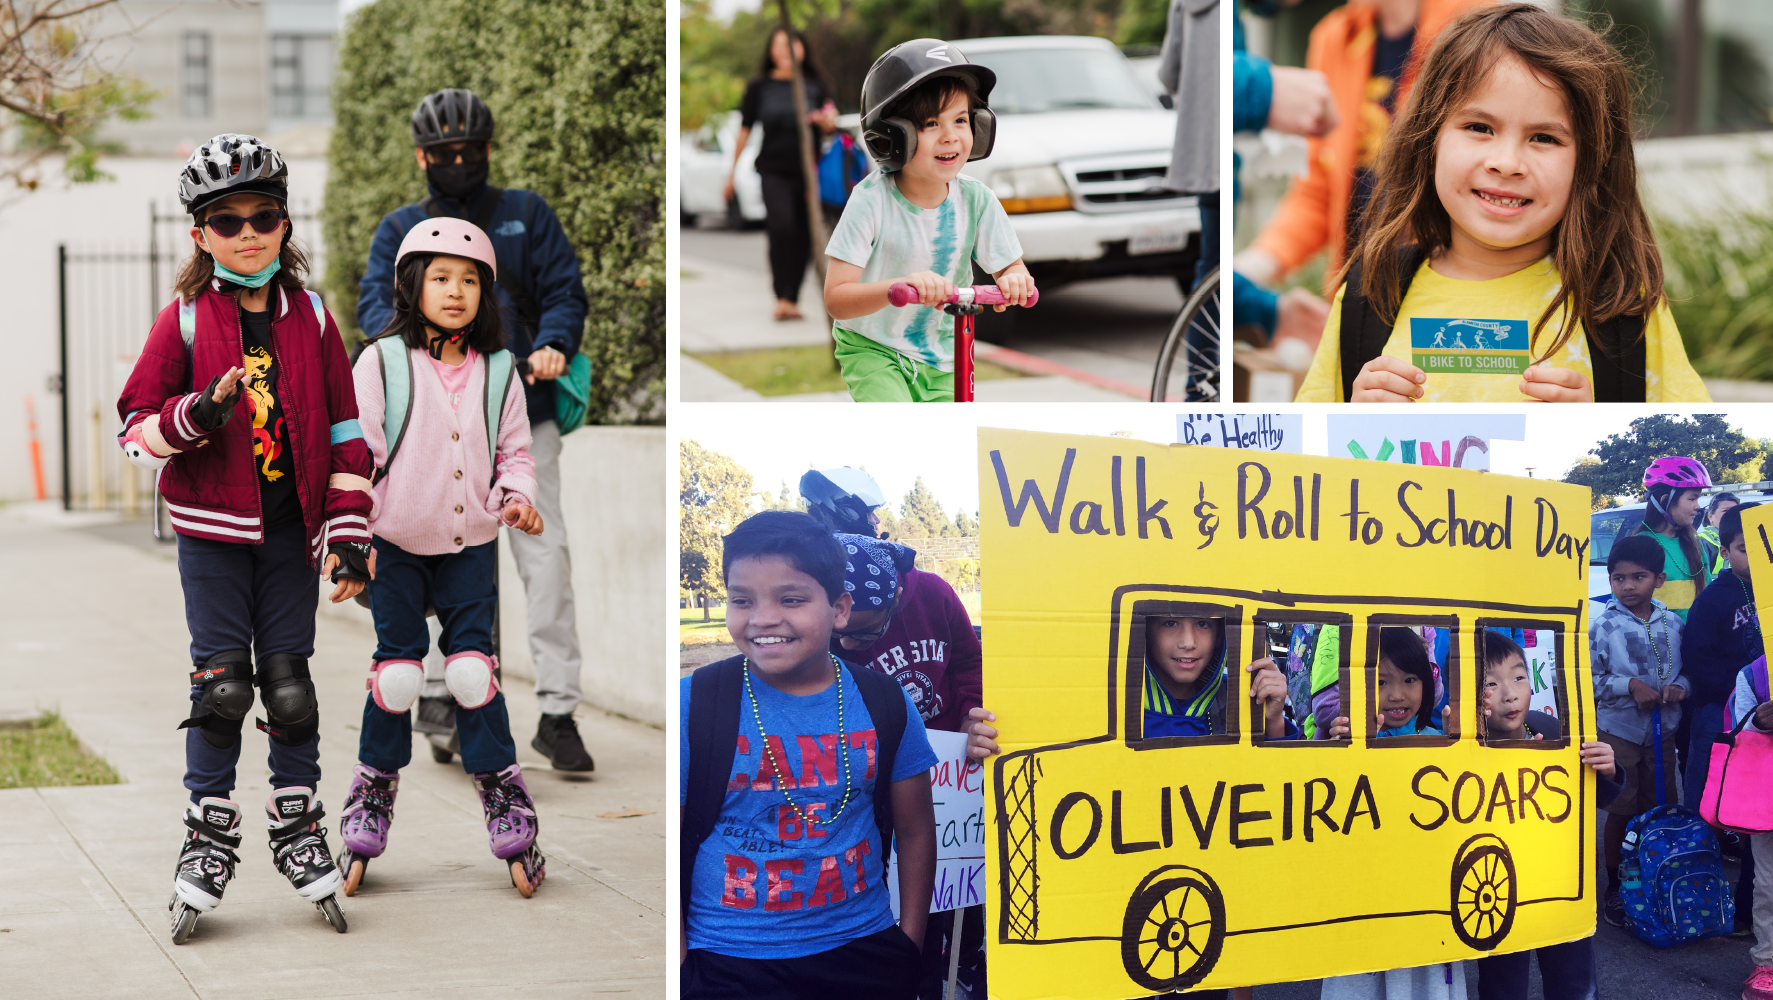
[{"x": 1446, "y": 306}]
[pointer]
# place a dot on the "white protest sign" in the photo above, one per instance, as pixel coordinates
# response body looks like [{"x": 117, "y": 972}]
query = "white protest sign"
[
  {"x": 1456, "y": 440},
  {"x": 1250, "y": 431},
  {"x": 957, "y": 785},
  {"x": 1542, "y": 669}
]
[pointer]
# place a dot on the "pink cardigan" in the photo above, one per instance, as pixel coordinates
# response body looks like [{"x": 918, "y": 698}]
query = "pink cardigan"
[{"x": 437, "y": 500}]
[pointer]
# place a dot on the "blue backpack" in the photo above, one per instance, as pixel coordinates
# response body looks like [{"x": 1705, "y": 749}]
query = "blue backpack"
[
  {"x": 1671, "y": 876},
  {"x": 841, "y": 168}
]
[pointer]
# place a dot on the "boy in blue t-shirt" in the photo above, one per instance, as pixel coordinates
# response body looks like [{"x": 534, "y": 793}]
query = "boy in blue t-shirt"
[{"x": 787, "y": 894}]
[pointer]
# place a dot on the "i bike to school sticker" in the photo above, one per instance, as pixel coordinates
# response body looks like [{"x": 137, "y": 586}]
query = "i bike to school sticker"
[{"x": 1469, "y": 346}]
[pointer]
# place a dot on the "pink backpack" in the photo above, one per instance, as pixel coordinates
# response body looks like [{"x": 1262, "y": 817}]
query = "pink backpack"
[{"x": 1741, "y": 772}]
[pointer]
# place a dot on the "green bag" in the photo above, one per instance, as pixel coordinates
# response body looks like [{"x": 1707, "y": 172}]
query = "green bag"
[{"x": 572, "y": 394}]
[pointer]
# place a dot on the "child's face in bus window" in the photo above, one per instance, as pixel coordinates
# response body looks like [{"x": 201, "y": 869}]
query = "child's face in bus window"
[
  {"x": 1504, "y": 163},
  {"x": 248, "y": 251},
  {"x": 450, "y": 296},
  {"x": 943, "y": 142},
  {"x": 1182, "y": 648},
  {"x": 780, "y": 617},
  {"x": 1399, "y": 695},
  {"x": 1507, "y": 692}
]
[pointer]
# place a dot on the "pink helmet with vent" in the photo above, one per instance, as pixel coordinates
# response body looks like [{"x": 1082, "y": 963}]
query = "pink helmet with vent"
[
  {"x": 1677, "y": 471},
  {"x": 456, "y": 237}
]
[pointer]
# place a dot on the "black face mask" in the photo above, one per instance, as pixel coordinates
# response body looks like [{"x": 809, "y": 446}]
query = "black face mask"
[{"x": 457, "y": 180}]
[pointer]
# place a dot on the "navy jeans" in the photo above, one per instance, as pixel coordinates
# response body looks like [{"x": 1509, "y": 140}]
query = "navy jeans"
[
  {"x": 1566, "y": 971},
  {"x": 255, "y": 597},
  {"x": 461, "y": 586},
  {"x": 1707, "y": 722}
]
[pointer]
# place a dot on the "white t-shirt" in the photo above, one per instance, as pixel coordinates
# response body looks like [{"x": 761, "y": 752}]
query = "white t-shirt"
[{"x": 888, "y": 237}]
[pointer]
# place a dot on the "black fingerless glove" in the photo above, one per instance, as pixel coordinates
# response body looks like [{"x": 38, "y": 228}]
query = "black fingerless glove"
[
  {"x": 353, "y": 561},
  {"x": 211, "y": 415}
]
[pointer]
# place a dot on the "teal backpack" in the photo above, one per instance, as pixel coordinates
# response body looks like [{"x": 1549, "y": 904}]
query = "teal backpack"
[{"x": 397, "y": 398}]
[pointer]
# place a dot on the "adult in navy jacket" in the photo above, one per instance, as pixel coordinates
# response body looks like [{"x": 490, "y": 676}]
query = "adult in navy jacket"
[{"x": 543, "y": 297}]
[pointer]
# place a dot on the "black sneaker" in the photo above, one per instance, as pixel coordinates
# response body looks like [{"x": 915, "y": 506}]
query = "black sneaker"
[
  {"x": 557, "y": 739},
  {"x": 1613, "y": 908}
]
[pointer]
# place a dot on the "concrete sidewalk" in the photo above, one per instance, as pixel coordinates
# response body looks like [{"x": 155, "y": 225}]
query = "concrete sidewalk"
[{"x": 95, "y": 630}]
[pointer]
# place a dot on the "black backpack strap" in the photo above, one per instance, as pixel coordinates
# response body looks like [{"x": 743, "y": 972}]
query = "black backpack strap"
[
  {"x": 1364, "y": 332},
  {"x": 713, "y": 733},
  {"x": 885, "y": 701},
  {"x": 1619, "y": 377}
]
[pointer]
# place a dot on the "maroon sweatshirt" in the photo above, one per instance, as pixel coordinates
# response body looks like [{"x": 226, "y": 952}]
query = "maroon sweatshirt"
[{"x": 930, "y": 649}]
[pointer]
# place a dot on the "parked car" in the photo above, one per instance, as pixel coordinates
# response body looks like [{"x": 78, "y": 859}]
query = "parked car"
[
  {"x": 1608, "y": 526},
  {"x": 707, "y": 158},
  {"x": 1083, "y": 145}
]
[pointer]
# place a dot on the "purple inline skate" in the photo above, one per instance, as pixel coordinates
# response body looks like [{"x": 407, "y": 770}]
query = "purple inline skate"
[
  {"x": 298, "y": 846},
  {"x": 206, "y": 863},
  {"x": 511, "y": 826},
  {"x": 365, "y": 820}
]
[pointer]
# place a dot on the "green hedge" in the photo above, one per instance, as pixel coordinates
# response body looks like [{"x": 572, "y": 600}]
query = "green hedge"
[{"x": 577, "y": 91}]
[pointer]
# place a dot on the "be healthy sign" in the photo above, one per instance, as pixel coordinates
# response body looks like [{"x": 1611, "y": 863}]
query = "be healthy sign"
[{"x": 1469, "y": 346}]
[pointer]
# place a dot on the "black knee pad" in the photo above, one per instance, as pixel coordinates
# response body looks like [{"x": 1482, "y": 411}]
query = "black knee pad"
[
  {"x": 290, "y": 705},
  {"x": 226, "y": 680}
]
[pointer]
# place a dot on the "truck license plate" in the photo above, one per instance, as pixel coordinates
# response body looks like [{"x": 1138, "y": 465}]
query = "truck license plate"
[{"x": 1156, "y": 239}]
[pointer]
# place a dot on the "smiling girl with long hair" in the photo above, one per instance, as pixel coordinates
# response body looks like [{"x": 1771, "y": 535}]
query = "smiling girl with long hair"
[{"x": 1505, "y": 253}]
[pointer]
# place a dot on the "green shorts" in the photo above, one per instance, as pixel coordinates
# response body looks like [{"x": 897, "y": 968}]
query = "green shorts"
[{"x": 877, "y": 374}]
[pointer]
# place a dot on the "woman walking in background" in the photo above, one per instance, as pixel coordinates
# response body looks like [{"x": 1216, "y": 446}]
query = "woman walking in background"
[{"x": 769, "y": 99}]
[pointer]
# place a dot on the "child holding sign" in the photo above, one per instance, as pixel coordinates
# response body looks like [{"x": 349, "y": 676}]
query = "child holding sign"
[
  {"x": 783, "y": 875},
  {"x": 1566, "y": 971},
  {"x": 1505, "y": 254},
  {"x": 1751, "y": 697}
]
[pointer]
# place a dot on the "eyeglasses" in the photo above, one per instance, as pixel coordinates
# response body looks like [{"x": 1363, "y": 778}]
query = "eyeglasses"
[
  {"x": 468, "y": 152},
  {"x": 264, "y": 223}
]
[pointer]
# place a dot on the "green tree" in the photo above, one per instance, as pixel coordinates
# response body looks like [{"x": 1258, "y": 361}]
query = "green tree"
[
  {"x": 965, "y": 525},
  {"x": 714, "y": 494},
  {"x": 787, "y": 499},
  {"x": 56, "y": 93},
  {"x": 1616, "y": 465},
  {"x": 921, "y": 514},
  {"x": 577, "y": 91}
]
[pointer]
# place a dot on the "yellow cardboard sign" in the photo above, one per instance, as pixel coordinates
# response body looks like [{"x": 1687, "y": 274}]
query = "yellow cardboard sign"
[
  {"x": 1122, "y": 866},
  {"x": 1757, "y": 536}
]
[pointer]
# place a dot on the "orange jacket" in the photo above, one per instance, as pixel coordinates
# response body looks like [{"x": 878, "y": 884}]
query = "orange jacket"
[{"x": 1314, "y": 213}]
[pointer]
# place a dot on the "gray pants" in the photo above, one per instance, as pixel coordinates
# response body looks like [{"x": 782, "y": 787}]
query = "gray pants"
[
  {"x": 1762, "y": 846},
  {"x": 545, "y": 565}
]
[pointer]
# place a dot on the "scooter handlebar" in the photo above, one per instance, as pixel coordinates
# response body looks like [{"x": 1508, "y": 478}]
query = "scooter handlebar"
[{"x": 902, "y": 294}]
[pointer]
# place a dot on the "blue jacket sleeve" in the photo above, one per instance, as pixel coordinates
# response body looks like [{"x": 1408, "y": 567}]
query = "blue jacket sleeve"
[
  {"x": 1252, "y": 91},
  {"x": 375, "y": 293},
  {"x": 1252, "y": 304},
  {"x": 559, "y": 287}
]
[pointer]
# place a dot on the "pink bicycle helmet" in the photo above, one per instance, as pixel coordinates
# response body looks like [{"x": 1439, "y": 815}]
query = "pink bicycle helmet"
[
  {"x": 458, "y": 238},
  {"x": 1677, "y": 471}
]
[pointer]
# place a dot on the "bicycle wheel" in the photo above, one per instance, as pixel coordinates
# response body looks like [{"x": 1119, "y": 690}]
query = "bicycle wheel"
[{"x": 1194, "y": 336}]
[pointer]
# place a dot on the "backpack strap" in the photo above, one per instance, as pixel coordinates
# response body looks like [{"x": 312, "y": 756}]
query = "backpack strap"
[
  {"x": 1619, "y": 377},
  {"x": 319, "y": 310},
  {"x": 713, "y": 733},
  {"x": 396, "y": 397},
  {"x": 886, "y": 706},
  {"x": 188, "y": 322},
  {"x": 498, "y": 371},
  {"x": 1364, "y": 332}
]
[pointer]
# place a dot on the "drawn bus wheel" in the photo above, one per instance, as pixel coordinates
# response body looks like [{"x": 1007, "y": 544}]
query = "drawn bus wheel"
[
  {"x": 1173, "y": 930},
  {"x": 1484, "y": 893}
]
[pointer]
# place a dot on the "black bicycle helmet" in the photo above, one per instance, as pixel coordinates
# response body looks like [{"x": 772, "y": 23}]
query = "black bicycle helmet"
[
  {"x": 451, "y": 116},
  {"x": 231, "y": 164},
  {"x": 892, "y": 140},
  {"x": 842, "y": 499}
]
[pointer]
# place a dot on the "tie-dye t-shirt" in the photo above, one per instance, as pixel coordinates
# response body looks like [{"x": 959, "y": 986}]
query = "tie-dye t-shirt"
[{"x": 888, "y": 237}]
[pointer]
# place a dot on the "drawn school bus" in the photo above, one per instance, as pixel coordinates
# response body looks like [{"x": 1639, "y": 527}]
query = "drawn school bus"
[{"x": 1121, "y": 865}]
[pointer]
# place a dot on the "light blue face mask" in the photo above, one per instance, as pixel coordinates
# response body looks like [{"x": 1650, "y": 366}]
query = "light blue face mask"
[{"x": 249, "y": 280}]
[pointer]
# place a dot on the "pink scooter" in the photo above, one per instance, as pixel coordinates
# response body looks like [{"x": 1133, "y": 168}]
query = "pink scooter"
[{"x": 963, "y": 305}]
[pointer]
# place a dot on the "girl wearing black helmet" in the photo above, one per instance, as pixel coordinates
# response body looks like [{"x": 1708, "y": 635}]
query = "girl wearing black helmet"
[{"x": 917, "y": 220}]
